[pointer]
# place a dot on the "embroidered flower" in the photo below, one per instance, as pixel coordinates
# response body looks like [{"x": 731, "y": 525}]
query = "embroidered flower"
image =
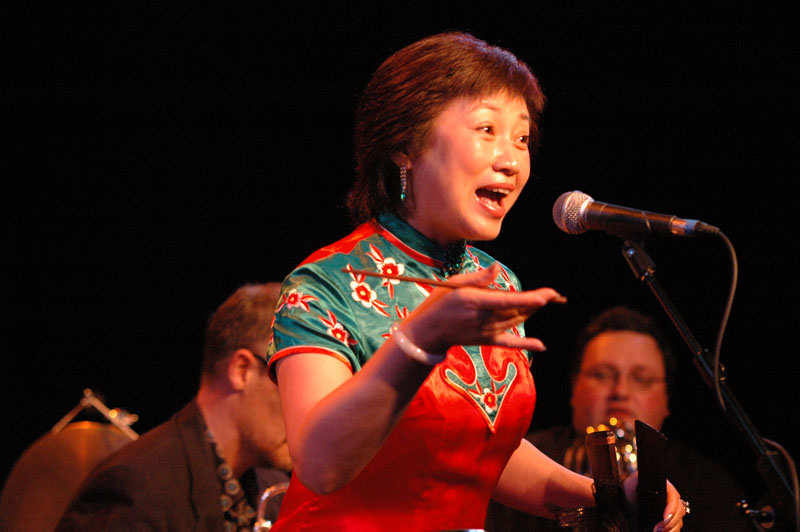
[
  {"x": 489, "y": 400},
  {"x": 390, "y": 267},
  {"x": 363, "y": 293},
  {"x": 337, "y": 330},
  {"x": 485, "y": 388},
  {"x": 294, "y": 299},
  {"x": 386, "y": 266}
]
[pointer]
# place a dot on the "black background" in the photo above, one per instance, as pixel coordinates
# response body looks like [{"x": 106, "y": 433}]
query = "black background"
[{"x": 159, "y": 157}]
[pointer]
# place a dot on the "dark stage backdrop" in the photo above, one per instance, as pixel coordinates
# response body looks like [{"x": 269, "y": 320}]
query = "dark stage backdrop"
[{"x": 162, "y": 156}]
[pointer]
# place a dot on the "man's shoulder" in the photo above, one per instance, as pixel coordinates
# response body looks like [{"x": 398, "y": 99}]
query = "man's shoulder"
[
  {"x": 157, "y": 447},
  {"x": 150, "y": 483},
  {"x": 156, "y": 454}
]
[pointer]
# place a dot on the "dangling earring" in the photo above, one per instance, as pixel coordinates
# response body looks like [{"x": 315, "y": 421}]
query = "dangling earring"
[{"x": 403, "y": 182}]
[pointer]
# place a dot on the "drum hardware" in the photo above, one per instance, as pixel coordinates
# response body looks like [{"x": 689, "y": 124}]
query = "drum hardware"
[
  {"x": 611, "y": 452},
  {"x": 120, "y": 418},
  {"x": 764, "y": 517},
  {"x": 576, "y": 458},
  {"x": 262, "y": 523},
  {"x": 49, "y": 472}
]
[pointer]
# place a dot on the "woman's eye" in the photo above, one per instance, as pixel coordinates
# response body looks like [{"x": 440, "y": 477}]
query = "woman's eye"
[
  {"x": 524, "y": 139},
  {"x": 487, "y": 129}
]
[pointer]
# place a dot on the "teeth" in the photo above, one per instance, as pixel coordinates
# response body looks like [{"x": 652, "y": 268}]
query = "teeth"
[{"x": 501, "y": 191}]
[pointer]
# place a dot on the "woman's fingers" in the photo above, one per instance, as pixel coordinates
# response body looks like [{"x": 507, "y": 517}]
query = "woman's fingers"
[
  {"x": 519, "y": 342},
  {"x": 471, "y": 314},
  {"x": 499, "y": 326},
  {"x": 487, "y": 317},
  {"x": 497, "y": 306},
  {"x": 673, "y": 513}
]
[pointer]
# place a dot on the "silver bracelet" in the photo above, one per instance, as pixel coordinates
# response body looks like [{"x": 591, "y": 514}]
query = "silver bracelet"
[{"x": 412, "y": 351}]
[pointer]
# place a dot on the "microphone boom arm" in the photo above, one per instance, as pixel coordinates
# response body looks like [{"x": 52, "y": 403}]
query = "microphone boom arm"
[{"x": 644, "y": 270}]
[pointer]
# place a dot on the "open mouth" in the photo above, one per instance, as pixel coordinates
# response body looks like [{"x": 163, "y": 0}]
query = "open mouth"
[{"x": 492, "y": 197}]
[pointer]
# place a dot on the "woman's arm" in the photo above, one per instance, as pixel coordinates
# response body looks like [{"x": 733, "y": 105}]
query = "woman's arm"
[
  {"x": 336, "y": 421},
  {"x": 534, "y": 483}
]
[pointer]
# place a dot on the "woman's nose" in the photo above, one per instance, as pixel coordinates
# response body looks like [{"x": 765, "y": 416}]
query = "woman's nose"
[{"x": 507, "y": 157}]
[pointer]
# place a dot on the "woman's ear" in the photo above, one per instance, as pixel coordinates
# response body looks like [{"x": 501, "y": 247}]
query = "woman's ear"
[{"x": 401, "y": 159}]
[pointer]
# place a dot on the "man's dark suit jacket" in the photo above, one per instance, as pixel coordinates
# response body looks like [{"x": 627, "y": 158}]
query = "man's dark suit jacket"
[{"x": 164, "y": 481}]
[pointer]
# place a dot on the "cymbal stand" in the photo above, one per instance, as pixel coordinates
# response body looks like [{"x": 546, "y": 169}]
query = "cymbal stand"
[{"x": 119, "y": 418}]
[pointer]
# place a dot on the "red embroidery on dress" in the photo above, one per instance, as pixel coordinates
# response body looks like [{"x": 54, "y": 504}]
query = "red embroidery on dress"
[
  {"x": 401, "y": 314},
  {"x": 337, "y": 330},
  {"x": 271, "y": 329},
  {"x": 426, "y": 289},
  {"x": 483, "y": 390},
  {"x": 293, "y": 299},
  {"x": 489, "y": 399},
  {"x": 364, "y": 294},
  {"x": 494, "y": 284},
  {"x": 386, "y": 266},
  {"x": 474, "y": 259},
  {"x": 507, "y": 279}
]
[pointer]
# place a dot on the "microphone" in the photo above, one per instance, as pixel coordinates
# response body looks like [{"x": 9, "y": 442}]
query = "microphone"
[{"x": 575, "y": 212}]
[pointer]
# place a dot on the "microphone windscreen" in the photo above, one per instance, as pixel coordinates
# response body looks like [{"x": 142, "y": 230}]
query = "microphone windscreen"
[{"x": 567, "y": 211}]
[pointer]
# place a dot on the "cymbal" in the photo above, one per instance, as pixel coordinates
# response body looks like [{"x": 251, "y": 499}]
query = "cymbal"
[{"x": 49, "y": 472}]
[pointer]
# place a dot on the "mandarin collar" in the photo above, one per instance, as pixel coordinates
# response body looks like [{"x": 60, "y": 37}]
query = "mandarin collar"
[{"x": 451, "y": 257}]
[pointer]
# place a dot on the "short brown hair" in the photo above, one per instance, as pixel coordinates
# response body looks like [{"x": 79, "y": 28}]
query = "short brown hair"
[
  {"x": 406, "y": 94},
  {"x": 243, "y": 321}
]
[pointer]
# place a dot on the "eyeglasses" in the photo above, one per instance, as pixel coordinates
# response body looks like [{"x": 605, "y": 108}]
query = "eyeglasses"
[
  {"x": 261, "y": 358},
  {"x": 610, "y": 377}
]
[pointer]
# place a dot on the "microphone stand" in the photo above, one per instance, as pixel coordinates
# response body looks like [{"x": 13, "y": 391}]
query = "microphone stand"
[{"x": 644, "y": 270}]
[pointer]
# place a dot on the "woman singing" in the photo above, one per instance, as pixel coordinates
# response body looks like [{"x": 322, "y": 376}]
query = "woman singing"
[{"x": 405, "y": 403}]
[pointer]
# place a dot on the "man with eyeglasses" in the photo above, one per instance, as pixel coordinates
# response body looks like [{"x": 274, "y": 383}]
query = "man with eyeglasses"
[
  {"x": 624, "y": 371},
  {"x": 201, "y": 470}
]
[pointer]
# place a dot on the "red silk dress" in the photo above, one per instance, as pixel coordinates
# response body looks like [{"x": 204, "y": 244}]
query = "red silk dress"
[{"x": 439, "y": 466}]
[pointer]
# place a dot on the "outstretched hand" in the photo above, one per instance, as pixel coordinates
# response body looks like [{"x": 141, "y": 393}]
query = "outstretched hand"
[{"x": 471, "y": 314}]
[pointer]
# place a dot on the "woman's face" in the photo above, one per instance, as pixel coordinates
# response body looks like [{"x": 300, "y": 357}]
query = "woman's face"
[{"x": 474, "y": 168}]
